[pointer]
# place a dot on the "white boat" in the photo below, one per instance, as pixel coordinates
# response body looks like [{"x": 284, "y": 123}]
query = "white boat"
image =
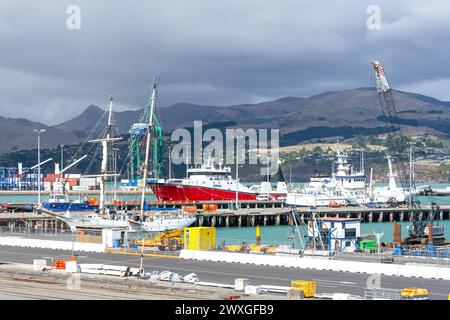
[
  {"x": 391, "y": 193},
  {"x": 160, "y": 221},
  {"x": 346, "y": 186},
  {"x": 103, "y": 218}
]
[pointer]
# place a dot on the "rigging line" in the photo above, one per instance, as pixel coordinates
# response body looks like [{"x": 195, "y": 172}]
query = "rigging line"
[{"x": 76, "y": 154}]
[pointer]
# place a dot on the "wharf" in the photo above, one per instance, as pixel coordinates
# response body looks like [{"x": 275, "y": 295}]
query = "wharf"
[
  {"x": 283, "y": 215},
  {"x": 251, "y": 213}
]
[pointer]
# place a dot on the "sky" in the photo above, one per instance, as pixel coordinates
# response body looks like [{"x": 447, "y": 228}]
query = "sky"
[{"x": 54, "y": 63}]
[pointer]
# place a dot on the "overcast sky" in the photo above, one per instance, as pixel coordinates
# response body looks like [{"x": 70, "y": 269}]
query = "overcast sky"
[{"x": 217, "y": 52}]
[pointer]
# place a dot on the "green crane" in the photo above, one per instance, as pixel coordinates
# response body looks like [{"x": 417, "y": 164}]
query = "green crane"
[{"x": 137, "y": 145}]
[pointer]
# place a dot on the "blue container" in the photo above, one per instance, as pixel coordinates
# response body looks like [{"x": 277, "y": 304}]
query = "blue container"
[
  {"x": 398, "y": 251},
  {"x": 116, "y": 243}
]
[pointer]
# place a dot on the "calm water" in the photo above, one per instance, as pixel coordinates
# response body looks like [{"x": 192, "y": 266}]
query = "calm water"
[
  {"x": 280, "y": 234},
  {"x": 269, "y": 234}
]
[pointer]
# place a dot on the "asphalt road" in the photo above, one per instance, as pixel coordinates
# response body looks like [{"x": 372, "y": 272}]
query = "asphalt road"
[{"x": 327, "y": 281}]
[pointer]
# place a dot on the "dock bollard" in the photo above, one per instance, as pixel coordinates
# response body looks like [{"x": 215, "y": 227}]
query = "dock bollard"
[{"x": 241, "y": 283}]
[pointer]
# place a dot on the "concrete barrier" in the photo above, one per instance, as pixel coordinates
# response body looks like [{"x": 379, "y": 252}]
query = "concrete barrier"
[
  {"x": 72, "y": 267},
  {"x": 52, "y": 244},
  {"x": 240, "y": 283},
  {"x": 39, "y": 264},
  {"x": 322, "y": 263}
]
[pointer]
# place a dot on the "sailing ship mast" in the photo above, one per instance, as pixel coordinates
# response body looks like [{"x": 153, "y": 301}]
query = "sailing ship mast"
[
  {"x": 147, "y": 147},
  {"x": 106, "y": 141},
  {"x": 104, "y": 167}
]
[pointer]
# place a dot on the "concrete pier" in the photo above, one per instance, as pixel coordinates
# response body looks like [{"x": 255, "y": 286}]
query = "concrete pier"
[{"x": 251, "y": 215}]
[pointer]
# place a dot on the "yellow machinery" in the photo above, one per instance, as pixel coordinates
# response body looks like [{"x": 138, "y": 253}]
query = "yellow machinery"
[
  {"x": 170, "y": 240},
  {"x": 308, "y": 287},
  {"x": 251, "y": 248},
  {"x": 414, "y": 294},
  {"x": 200, "y": 238}
]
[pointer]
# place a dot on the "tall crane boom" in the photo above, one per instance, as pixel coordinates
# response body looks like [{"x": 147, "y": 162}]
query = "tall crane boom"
[
  {"x": 390, "y": 113},
  {"x": 418, "y": 233}
]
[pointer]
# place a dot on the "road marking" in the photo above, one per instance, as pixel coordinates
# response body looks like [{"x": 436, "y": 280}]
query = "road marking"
[{"x": 146, "y": 254}]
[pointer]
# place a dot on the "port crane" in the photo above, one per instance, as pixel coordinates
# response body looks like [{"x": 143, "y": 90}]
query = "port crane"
[
  {"x": 138, "y": 134},
  {"x": 419, "y": 230}
]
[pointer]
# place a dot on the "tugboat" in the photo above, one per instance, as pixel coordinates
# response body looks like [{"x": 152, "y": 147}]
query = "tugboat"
[{"x": 61, "y": 203}]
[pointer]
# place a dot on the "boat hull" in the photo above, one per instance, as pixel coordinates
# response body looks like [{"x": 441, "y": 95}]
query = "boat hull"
[
  {"x": 185, "y": 193},
  {"x": 168, "y": 224},
  {"x": 308, "y": 200}
]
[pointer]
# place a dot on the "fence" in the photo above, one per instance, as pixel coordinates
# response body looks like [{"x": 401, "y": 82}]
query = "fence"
[
  {"x": 381, "y": 294},
  {"x": 413, "y": 254},
  {"x": 50, "y": 234}
]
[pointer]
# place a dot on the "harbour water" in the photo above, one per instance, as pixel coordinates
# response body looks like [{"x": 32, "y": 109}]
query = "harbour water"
[
  {"x": 269, "y": 234},
  {"x": 281, "y": 234}
]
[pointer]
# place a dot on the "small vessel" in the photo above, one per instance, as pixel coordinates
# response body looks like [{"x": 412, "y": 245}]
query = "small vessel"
[
  {"x": 164, "y": 220},
  {"x": 61, "y": 203},
  {"x": 102, "y": 217},
  {"x": 347, "y": 186},
  {"x": 390, "y": 194},
  {"x": 344, "y": 187}
]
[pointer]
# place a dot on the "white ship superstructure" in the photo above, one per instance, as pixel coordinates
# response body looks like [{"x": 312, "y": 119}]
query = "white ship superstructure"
[{"x": 345, "y": 186}]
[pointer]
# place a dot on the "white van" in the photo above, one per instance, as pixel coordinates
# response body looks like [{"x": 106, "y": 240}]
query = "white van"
[{"x": 262, "y": 197}]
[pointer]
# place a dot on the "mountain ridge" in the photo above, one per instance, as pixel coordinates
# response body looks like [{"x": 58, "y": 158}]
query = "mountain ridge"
[{"x": 335, "y": 111}]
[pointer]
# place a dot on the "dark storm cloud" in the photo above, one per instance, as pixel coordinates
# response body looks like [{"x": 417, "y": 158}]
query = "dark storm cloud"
[{"x": 211, "y": 52}]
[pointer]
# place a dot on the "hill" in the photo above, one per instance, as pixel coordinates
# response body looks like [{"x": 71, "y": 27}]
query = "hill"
[{"x": 328, "y": 115}]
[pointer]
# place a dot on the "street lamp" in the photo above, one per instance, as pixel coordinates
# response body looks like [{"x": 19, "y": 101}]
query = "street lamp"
[
  {"x": 62, "y": 157},
  {"x": 38, "y": 132},
  {"x": 237, "y": 169},
  {"x": 115, "y": 150}
]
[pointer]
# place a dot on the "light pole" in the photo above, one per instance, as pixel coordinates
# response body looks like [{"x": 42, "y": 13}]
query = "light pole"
[
  {"x": 38, "y": 132},
  {"x": 115, "y": 172},
  {"x": 62, "y": 157},
  {"x": 237, "y": 171}
]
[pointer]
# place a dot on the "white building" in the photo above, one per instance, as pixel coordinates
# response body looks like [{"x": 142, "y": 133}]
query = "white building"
[{"x": 343, "y": 233}]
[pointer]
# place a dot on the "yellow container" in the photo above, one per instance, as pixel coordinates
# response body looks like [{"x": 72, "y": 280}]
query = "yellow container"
[
  {"x": 414, "y": 292},
  {"x": 200, "y": 238},
  {"x": 308, "y": 287}
]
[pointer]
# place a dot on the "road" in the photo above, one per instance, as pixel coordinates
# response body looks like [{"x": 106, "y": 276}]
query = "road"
[{"x": 327, "y": 281}]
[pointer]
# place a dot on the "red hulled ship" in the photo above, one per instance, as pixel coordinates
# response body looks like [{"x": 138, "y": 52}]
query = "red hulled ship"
[{"x": 213, "y": 182}]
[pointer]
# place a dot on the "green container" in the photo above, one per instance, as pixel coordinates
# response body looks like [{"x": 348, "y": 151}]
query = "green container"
[{"x": 368, "y": 244}]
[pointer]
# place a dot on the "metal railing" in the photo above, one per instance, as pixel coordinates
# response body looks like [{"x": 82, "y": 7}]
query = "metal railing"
[
  {"x": 381, "y": 294},
  {"x": 38, "y": 233}
]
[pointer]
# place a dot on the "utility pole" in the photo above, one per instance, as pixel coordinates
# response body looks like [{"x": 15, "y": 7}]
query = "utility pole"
[
  {"x": 410, "y": 174},
  {"x": 38, "y": 132},
  {"x": 62, "y": 158},
  {"x": 115, "y": 172},
  {"x": 237, "y": 171},
  {"x": 170, "y": 163}
]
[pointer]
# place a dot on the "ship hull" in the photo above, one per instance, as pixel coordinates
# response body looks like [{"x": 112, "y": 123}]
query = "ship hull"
[
  {"x": 185, "y": 193},
  {"x": 188, "y": 193},
  {"x": 168, "y": 224}
]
